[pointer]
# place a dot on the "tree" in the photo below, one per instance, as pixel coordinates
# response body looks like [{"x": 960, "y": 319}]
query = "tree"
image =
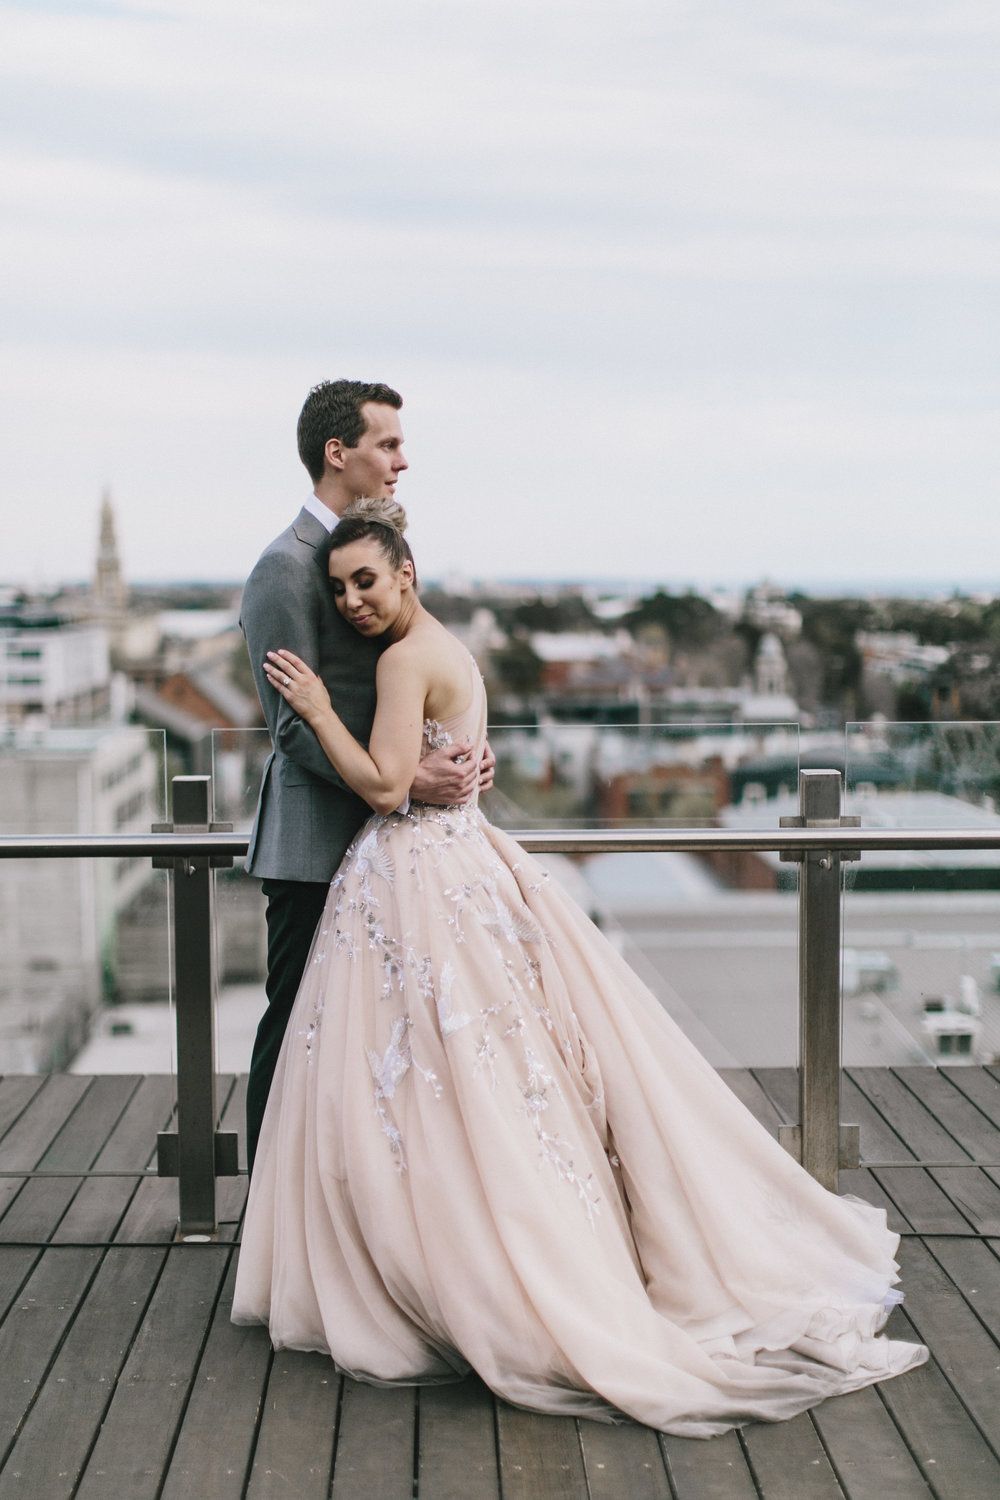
[
  {"x": 568, "y": 612},
  {"x": 689, "y": 620},
  {"x": 518, "y": 667}
]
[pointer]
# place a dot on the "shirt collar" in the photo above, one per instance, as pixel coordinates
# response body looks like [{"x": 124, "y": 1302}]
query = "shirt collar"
[{"x": 322, "y": 512}]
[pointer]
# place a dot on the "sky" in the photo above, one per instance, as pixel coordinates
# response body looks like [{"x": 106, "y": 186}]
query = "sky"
[{"x": 694, "y": 291}]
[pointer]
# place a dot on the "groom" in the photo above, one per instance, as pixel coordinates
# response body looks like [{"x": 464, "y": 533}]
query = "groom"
[{"x": 351, "y": 443}]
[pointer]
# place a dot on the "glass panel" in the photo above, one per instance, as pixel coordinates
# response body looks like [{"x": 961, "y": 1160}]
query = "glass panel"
[
  {"x": 714, "y": 936},
  {"x": 238, "y": 759},
  {"x": 922, "y": 928},
  {"x": 85, "y": 978}
]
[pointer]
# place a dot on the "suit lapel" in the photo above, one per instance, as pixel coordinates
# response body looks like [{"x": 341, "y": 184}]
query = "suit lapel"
[{"x": 310, "y": 532}]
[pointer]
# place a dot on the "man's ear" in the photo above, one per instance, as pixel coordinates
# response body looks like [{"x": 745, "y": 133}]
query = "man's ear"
[{"x": 334, "y": 453}]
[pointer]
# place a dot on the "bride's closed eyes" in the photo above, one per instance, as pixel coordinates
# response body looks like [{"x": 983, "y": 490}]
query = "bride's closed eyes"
[{"x": 362, "y": 580}]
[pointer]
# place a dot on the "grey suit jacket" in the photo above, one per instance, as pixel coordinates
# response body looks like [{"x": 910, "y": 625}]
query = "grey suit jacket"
[{"x": 306, "y": 814}]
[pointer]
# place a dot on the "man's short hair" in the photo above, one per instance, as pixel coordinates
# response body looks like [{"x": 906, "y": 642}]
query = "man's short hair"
[{"x": 333, "y": 410}]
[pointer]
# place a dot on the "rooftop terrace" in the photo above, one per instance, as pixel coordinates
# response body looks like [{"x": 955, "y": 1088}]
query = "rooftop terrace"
[{"x": 124, "y": 1378}]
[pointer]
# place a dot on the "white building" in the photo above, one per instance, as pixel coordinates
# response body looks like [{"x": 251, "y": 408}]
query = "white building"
[
  {"x": 898, "y": 655},
  {"x": 58, "y": 916},
  {"x": 53, "y": 667},
  {"x": 768, "y": 608}
]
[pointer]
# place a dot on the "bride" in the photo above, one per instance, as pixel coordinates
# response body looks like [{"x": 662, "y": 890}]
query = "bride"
[{"x": 488, "y": 1145}]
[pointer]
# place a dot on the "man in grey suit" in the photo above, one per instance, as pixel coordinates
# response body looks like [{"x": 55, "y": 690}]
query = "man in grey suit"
[{"x": 351, "y": 442}]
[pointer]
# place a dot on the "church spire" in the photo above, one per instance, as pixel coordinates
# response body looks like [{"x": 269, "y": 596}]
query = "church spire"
[{"x": 110, "y": 595}]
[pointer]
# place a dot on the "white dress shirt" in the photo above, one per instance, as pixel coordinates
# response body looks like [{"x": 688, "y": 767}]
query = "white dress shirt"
[{"x": 323, "y": 513}]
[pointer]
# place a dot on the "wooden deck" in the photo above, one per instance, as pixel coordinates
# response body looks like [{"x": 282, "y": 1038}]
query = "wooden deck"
[{"x": 122, "y": 1376}]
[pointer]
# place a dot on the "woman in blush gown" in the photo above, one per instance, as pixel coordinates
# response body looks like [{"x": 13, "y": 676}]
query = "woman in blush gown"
[{"x": 488, "y": 1146}]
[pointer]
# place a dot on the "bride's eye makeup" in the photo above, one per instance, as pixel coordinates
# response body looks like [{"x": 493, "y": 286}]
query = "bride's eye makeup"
[{"x": 360, "y": 580}]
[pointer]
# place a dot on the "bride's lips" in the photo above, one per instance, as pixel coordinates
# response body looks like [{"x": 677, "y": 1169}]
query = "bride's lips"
[{"x": 358, "y": 620}]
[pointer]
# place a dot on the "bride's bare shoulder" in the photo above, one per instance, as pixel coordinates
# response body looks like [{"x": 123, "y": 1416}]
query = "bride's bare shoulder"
[
  {"x": 424, "y": 648},
  {"x": 438, "y": 658}
]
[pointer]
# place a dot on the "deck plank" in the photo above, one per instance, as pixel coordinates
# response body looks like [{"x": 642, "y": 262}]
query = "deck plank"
[
  {"x": 953, "y": 1455},
  {"x": 234, "y": 1117},
  {"x": 132, "y": 1141},
  {"x": 16, "y": 1092},
  {"x": 16, "y": 1262},
  {"x": 973, "y": 1193},
  {"x": 862, "y": 1183},
  {"x": 136, "y": 1438},
  {"x": 973, "y": 1266},
  {"x": 96, "y": 1211},
  {"x": 781, "y": 1088},
  {"x": 230, "y": 1201},
  {"x": 216, "y": 1442},
  {"x": 963, "y": 1348},
  {"x": 713, "y": 1470},
  {"x": 52, "y": 1447},
  {"x": 749, "y": 1092},
  {"x": 375, "y": 1471},
  {"x": 539, "y": 1456},
  {"x": 9, "y": 1189},
  {"x": 879, "y": 1142},
  {"x": 927, "y": 1207},
  {"x": 80, "y": 1140},
  {"x": 925, "y": 1136},
  {"x": 979, "y": 1085},
  {"x": 33, "y": 1329},
  {"x": 623, "y": 1460},
  {"x": 963, "y": 1120},
  {"x": 789, "y": 1462},
  {"x": 298, "y": 1429},
  {"x": 151, "y": 1217},
  {"x": 869, "y": 1456},
  {"x": 37, "y": 1126},
  {"x": 37, "y": 1209},
  {"x": 457, "y": 1458}
]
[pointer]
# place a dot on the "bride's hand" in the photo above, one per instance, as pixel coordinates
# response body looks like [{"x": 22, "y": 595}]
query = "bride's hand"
[{"x": 297, "y": 684}]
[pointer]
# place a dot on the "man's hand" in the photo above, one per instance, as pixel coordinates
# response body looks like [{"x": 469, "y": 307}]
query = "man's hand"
[
  {"x": 487, "y": 766},
  {"x": 446, "y": 776}
]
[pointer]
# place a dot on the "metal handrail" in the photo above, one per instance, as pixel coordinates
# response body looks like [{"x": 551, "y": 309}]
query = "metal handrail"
[{"x": 535, "y": 841}]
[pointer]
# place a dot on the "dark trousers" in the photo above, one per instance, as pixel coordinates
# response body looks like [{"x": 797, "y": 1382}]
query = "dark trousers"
[{"x": 294, "y": 908}]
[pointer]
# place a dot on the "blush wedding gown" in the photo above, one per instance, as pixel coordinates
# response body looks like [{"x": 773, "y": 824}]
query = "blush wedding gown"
[{"x": 488, "y": 1145}]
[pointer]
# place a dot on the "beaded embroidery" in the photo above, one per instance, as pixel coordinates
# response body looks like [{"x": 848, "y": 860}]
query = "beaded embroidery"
[{"x": 361, "y": 918}]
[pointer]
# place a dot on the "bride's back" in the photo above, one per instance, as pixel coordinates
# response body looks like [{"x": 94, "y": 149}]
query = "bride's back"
[{"x": 449, "y": 666}]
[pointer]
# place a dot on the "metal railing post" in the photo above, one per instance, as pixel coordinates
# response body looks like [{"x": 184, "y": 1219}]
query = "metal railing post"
[
  {"x": 819, "y": 1141},
  {"x": 195, "y": 1153}
]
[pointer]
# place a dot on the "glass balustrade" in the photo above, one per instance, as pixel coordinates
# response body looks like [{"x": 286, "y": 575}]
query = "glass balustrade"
[
  {"x": 85, "y": 971},
  {"x": 714, "y": 935},
  {"x": 921, "y": 962}
]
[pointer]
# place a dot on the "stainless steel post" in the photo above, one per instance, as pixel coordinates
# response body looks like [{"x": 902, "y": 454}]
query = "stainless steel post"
[
  {"x": 194, "y": 1153},
  {"x": 819, "y": 1141}
]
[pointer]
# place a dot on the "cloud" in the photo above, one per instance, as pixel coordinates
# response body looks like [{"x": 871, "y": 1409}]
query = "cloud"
[{"x": 720, "y": 257}]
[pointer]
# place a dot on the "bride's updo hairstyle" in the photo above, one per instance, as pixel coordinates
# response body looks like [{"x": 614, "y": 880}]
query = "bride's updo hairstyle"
[{"x": 384, "y": 521}]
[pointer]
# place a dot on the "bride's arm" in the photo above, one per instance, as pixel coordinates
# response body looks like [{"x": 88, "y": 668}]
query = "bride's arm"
[{"x": 383, "y": 773}]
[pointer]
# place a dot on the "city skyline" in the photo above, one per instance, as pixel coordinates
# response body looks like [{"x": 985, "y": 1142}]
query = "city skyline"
[{"x": 670, "y": 290}]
